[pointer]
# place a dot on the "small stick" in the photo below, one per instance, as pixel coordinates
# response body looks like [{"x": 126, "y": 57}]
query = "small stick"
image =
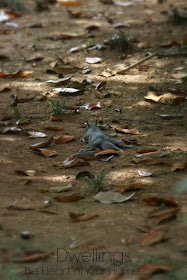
[{"x": 121, "y": 72}]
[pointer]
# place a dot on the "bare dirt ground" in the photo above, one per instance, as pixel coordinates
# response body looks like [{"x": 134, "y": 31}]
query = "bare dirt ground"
[{"x": 115, "y": 229}]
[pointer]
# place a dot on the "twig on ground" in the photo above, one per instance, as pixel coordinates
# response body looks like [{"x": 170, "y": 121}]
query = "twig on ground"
[{"x": 121, "y": 72}]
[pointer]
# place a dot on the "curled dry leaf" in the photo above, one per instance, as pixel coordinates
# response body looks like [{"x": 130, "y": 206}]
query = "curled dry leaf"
[
  {"x": 137, "y": 186},
  {"x": 69, "y": 198},
  {"x": 10, "y": 129},
  {"x": 144, "y": 174},
  {"x": 73, "y": 161},
  {"x": 123, "y": 4},
  {"x": 60, "y": 81},
  {"x": 163, "y": 214},
  {"x": 151, "y": 269},
  {"x": 143, "y": 151},
  {"x": 35, "y": 134},
  {"x": 78, "y": 14},
  {"x": 106, "y": 159},
  {"x": 144, "y": 229},
  {"x": 170, "y": 44},
  {"x": 93, "y": 60},
  {"x": 85, "y": 173},
  {"x": 127, "y": 131},
  {"x": 167, "y": 98},
  {"x": 41, "y": 144},
  {"x": 63, "y": 139},
  {"x": 152, "y": 238},
  {"x": 75, "y": 49},
  {"x": 155, "y": 201},
  {"x": 66, "y": 90},
  {"x": 101, "y": 85},
  {"x": 32, "y": 256},
  {"x": 54, "y": 119},
  {"x": 17, "y": 100},
  {"x": 17, "y": 74},
  {"x": 130, "y": 141},
  {"x": 156, "y": 154},
  {"x": 46, "y": 153},
  {"x": 27, "y": 204},
  {"x": 108, "y": 73},
  {"x": 91, "y": 106},
  {"x": 112, "y": 197},
  {"x": 107, "y": 151},
  {"x": 177, "y": 166},
  {"x": 26, "y": 173},
  {"x": 5, "y": 88},
  {"x": 82, "y": 217},
  {"x": 70, "y": 3},
  {"x": 119, "y": 25},
  {"x": 56, "y": 189}
]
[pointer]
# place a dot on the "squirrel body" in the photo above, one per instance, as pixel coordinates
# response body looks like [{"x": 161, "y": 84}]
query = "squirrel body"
[{"x": 98, "y": 139}]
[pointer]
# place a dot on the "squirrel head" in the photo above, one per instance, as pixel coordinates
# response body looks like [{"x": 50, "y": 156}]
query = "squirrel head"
[{"x": 91, "y": 125}]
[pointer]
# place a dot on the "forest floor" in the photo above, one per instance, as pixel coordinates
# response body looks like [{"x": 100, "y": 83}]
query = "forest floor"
[{"x": 133, "y": 238}]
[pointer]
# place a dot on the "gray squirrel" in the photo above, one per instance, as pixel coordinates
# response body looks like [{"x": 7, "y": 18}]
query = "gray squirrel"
[{"x": 98, "y": 139}]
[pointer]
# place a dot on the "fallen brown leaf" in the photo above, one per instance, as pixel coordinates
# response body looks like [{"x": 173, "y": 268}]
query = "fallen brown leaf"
[
  {"x": 170, "y": 44},
  {"x": 127, "y": 131},
  {"x": 5, "y": 88},
  {"x": 17, "y": 74},
  {"x": 32, "y": 257},
  {"x": 144, "y": 229},
  {"x": 70, "y": 3},
  {"x": 101, "y": 86},
  {"x": 137, "y": 186},
  {"x": 152, "y": 238},
  {"x": 73, "y": 161},
  {"x": 177, "y": 166},
  {"x": 63, "y": 139},
  {"x": 144, "y": 151},
  {"x": 155, "y": 201},
  {"x": 54, "y": 119},
  {"x": 107, "y": 151},
  {"x": 78, "y": 14},
  {"x": 163, "y": 214},
  {"x": 150, "y": 270},
  {"x": 83, "y": 218},
  {"x": 46, "y": 153},
  {"x": 167, "y": 98},
  {"x": 41, "y": 144}
]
